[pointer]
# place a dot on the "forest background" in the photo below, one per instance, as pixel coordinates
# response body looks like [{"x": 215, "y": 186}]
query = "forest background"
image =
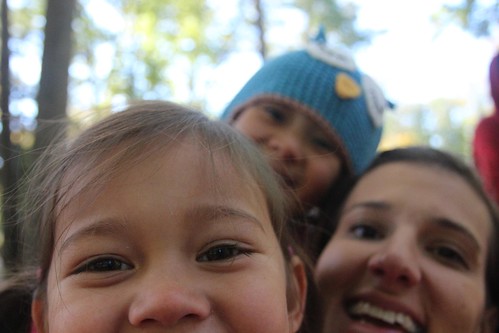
[{"x": 78, "y": 59}]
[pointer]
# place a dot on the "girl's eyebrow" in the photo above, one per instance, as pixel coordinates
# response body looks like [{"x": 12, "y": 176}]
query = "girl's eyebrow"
[
  {"x": 220, "y": 212},
  {"x": 198, "y": 214},
  {"x": 98, "y": 227}
]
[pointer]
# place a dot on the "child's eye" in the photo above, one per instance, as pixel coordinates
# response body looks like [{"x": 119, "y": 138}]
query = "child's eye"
[
  {"x": 448, "y": 255},
  {"x": 323, "y": 144},
  {"x": 276, "y": 114},
  {"x": 222, "y": 252},
  {"x": 103, "y": 264},
  {"x": 365, "y": 231}
]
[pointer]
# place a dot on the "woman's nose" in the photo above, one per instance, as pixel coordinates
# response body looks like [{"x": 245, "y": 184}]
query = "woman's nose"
[
  {"x": 168, "y": 303},
  {"x": 396, "y": 265}
]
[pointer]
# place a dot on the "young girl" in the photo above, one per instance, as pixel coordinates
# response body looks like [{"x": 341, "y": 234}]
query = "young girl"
[
  {"x": 415, "y": 250},
  {"x": 316, "y": 117},
  {"x": 314, "y": 114},
  {"x": 158, "y": 218}
]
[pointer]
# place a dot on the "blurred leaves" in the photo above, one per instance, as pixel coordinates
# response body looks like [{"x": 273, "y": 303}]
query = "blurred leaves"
[
  {"x": 478, "y": 17},
  {"x": 160, "y": 49},
  {"x": 336, "y": 18}
]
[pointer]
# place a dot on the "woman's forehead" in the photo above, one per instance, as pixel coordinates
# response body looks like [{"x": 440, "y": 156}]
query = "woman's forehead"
[{"x": 426, "y": 190}]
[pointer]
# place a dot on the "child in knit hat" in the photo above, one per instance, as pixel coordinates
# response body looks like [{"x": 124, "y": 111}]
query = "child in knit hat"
[
  {"x": 486, "y": 140},
  {"x": 318, "y": 120},
  {"x": 315, "y": 115}
]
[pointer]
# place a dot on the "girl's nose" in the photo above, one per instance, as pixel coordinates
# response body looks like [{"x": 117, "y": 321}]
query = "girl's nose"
[
  {"x": 396, "y": 265},
  {"x": 286, "y": 146},
  {"x": 168, "y": 304}
]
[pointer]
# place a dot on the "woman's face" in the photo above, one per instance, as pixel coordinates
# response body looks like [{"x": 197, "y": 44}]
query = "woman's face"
[
  {"x": 409, "y": 255},
  {"x": 166, "y": 245}
]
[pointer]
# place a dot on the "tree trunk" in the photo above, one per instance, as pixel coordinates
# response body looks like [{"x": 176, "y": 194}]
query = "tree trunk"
[
  {"x": 53, "y": 92},
  {"x": 260, "y": 26}
]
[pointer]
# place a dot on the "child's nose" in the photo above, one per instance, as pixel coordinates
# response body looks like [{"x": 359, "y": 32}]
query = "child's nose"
[
  {"x": 167, "y": 304},
  {"x": 286, "y": 146},
  {"x": 396, "y": 265}
]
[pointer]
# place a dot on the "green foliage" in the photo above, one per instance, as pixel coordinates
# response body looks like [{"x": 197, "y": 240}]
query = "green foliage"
[
  {"x": 444, "y": 124},
  {"x": 336, "y": 18},
  {"x": 159, "y": 48},
  {"x": 156, "y": 36},
  {"x": 27, "y": 19},
  {"x": 478, "y": 17}
]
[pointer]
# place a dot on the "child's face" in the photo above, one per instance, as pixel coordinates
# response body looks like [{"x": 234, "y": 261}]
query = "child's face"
[
  {"x": 409, "y": 254},
  {"x": 298, "y": 148},
  {"x": 167, "y": 245}
]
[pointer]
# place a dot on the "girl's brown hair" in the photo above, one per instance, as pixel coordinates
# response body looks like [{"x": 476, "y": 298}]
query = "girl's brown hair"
[{"x": 119, "y": 141}]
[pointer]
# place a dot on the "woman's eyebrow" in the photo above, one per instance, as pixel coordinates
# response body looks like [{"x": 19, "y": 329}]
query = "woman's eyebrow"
[
  {"x": 376, "y": 205},
  {"x": 448, "y": 224}
]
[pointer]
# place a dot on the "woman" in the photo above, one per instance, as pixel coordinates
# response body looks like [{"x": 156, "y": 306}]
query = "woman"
[{"x": 414, "y": 249}]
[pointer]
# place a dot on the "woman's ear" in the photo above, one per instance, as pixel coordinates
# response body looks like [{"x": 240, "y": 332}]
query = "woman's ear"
[
  {"x": 38, "y": 315},
  {"x": 297, "y": 293}
]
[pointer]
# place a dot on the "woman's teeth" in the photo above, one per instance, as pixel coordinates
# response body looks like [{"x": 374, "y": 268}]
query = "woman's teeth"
[{"x": 387, "y": 316}]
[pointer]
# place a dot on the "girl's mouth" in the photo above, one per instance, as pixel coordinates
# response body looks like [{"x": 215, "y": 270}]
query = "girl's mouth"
[
  {"x": 286, "y": 177},
  {"x": 288, "y": 180},
  {"x": 375, "y": 315}
]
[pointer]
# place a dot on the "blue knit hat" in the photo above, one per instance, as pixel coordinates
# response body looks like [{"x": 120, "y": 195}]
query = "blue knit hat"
[{"x": 325, "y": 83}]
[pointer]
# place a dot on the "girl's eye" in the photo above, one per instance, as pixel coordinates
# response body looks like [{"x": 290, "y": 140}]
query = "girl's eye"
[
  {"x": 364, "y": 231},
  {"x": 276, "y": 114},
  {"x": 222, "y": 252},
  {"x": 106, "y": 264},
  {"x": 448, "y": 255},
  {"x": 323, "y": 144}
]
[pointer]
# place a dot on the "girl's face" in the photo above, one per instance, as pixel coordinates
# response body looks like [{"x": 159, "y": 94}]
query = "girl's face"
[
  {"x": 409, "y": 255},
  {"x": 166, "y": 245},
  {"x": 298, "y": 149}
]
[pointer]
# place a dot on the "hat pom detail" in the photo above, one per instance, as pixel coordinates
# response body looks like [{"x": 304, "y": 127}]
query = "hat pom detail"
[
  {"x": 334, "y": 56},
  {"x": 375, "y": 100}
]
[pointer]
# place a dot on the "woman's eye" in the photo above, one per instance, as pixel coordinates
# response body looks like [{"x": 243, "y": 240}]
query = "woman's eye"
[
  {"x": 106, "y": 264},
  {"x": 222, "y": 252},
  {"x": 364, "y": 231},
  {"x": 448, "y": 254}
]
